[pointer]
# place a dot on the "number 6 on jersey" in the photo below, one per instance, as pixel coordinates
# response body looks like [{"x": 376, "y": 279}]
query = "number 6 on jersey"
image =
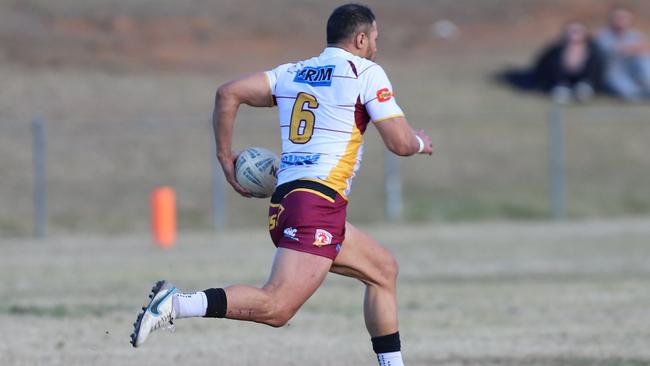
[{"x": 302, "y": 118}]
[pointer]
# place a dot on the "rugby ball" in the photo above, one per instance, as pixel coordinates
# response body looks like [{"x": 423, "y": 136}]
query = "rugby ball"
[{"x": 256, "y": 169}]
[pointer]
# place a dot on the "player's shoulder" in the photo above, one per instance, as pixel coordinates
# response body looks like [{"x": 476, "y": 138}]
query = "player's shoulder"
[
  {"x": 367, "y": 69},
  {"x": 363, "y": 64},
  {"x": 346, "y": 64},
  {"x": 292, "y": 68},
  {"x": 333, "y": 62},
  {"x": 285, "y": 67}
]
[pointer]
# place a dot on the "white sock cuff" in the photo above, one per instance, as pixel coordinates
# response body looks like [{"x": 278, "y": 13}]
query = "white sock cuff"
[
  {"x": 190, "y": 305},
  {"x": 390, "y": 359}
]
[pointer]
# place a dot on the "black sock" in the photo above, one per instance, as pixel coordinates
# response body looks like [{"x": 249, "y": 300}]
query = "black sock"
[
  {"x": 387, "y": 343},
  {"x": 217, "y": 303}
]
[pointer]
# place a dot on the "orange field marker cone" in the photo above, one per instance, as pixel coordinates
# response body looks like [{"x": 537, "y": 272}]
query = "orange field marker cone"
[{"x": 163, "y": 216}]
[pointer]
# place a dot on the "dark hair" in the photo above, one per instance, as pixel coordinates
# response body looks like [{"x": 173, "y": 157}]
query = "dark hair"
[{"x": 346, "y": 21}]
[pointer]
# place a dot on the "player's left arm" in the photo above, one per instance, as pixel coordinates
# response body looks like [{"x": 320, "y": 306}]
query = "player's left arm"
[
  {"x": 401, "y": 139},
  {"x": 397, "y": 134},
  {"x": 252, "y": 90}
]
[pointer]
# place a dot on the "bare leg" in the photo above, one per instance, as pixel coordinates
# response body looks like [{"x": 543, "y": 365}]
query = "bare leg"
[
  {"x": 295, "y": 276},
  {"x": 363, "y": 258}
]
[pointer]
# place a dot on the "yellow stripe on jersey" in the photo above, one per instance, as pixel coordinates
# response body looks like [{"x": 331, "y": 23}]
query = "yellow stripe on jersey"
[
  {"x": 339, "y": 175},
  {"x": 387, "y": 118}
]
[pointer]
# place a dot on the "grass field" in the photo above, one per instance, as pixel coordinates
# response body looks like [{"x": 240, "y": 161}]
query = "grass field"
[
  {"x": 482, "y": 294},
  {"x": 126, "y": 89}
]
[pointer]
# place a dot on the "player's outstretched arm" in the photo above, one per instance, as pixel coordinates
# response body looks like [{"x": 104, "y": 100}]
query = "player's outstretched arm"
[
  {"x": 252, "y": 90},
  {"x": 403, "y": 140}
]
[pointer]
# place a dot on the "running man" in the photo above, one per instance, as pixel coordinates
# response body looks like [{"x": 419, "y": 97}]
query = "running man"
[{"x": 325, "y": 104}]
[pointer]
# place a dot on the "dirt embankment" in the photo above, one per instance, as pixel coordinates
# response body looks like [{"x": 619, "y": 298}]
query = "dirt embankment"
[{"x": 196, "y": 36}]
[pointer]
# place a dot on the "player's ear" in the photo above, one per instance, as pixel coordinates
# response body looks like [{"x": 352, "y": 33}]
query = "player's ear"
[{"x": 360, "y": 40}]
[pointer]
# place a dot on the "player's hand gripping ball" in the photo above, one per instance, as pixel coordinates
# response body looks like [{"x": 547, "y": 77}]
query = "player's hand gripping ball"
[{"x": 256, "y": 169}]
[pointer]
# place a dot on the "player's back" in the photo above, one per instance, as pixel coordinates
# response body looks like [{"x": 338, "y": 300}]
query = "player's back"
[{"x": 322, "y": 110}]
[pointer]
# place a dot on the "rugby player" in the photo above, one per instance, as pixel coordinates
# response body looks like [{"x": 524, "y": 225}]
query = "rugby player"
[{"x": 325, "y": 104}]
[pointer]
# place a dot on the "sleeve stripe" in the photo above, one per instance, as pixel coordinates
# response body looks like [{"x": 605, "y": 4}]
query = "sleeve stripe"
[
  {"x": 268, "y": 81},
  {"x": 375, "y": 98},
  {"x": 388, "y": 117}
]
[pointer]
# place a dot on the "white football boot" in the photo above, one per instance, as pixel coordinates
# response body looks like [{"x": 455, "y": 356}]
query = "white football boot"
[{"x": 157, "y": 314}]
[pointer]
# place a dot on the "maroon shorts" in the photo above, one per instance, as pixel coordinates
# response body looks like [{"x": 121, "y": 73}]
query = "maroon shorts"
[{"x": 308, "y": 216}]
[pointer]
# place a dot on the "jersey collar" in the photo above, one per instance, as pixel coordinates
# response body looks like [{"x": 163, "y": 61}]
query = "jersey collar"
[{"x": 333, "y": 51}]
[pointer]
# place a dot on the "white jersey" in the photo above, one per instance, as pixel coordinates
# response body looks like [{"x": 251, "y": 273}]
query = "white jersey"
[{"x": 325, "y": 104}]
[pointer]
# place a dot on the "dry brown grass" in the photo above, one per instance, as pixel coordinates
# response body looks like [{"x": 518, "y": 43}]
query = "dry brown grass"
[
  {"x": 126, "y": 89},
  {"x": 484, "y": 294}
]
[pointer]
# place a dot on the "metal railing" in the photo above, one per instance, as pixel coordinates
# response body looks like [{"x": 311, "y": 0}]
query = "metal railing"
[{"x": 394, "y": 193}]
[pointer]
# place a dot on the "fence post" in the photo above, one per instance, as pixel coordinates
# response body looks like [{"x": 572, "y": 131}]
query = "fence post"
[
  {"x": 557, "y": 163},
  {"x": 219, "y": 198},
  {"x": 392, "y": 187},
  {"x": 40, "y": 198}
]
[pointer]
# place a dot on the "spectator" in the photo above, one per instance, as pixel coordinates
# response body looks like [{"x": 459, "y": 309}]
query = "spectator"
[
  {"x": 571, "y": 67},
  {"x": 627, "y": 56}
]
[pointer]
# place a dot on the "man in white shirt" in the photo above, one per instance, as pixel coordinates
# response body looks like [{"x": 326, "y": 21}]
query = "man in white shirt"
[
  {"x": 324, "y": 104},
  {"x": 627, "y": 57}
]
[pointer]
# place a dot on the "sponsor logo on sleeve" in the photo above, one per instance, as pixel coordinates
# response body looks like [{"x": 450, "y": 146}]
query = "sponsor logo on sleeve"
[
  {"x": 384, "y": 95},
  {"x": 323, "y": 237}
]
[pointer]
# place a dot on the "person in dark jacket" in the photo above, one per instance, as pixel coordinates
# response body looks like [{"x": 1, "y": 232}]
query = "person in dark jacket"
[{"x": 572, "y": 67}]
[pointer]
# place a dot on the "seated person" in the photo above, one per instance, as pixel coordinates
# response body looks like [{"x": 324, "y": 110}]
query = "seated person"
[
  {"x": 568, "y": 68},
  {"x": 627, "y": 57},
  {"x": 571, "y": 67}
]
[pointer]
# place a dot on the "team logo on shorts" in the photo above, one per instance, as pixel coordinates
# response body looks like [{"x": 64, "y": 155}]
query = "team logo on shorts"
[
  {"x": 384, "y": 95},
  {"x": 323, "y": 237}
]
